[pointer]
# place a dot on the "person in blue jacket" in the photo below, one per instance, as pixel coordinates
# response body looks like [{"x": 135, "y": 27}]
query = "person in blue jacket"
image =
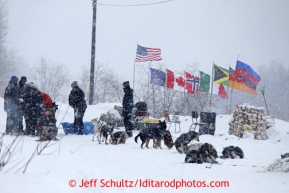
[{"x": 11, "y": 106}]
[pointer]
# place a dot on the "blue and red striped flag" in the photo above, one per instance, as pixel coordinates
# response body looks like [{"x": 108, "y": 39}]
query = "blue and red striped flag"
[
  {"x": 244, "y": 78},
  {"x": 144, "y": 54}
]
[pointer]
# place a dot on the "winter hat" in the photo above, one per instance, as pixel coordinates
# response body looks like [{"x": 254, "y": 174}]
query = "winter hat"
[
  {"x": 74, "y": 84},
  {"x": 14, "y": 78},
  {"x": 126, "y": 83},
  {"x": 23, "y": 79}
]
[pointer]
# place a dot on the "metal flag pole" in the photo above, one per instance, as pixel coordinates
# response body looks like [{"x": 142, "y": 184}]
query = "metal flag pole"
[
  {"x": 227, "y": 109},
  {"x": 134, "y": 71},
  {"x": 133, "y": 75},
  {"x": 232, "y": 89},
  {"x": 164, "y": 108},
  {"x": 212, "y": 86},
  {"x": 263, "y": 93},
  {"x": 185, "y": 110}
]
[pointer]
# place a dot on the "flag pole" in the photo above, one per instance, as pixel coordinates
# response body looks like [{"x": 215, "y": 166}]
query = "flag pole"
[
  {"x": 232, "y": 88},
  {"x": 184, "y": 95},
  {"x": 149, "y": 65},
  {"x": 227, "y": 109},
  {"x": 164, "y": 107},
  {"x": 133, "y": 75},
  {"x": 212, "y": 86},
  {"x": 134, "y": 70}
]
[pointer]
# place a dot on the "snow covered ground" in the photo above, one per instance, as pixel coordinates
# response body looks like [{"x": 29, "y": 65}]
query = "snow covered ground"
[{"x": 78, "y": 158}]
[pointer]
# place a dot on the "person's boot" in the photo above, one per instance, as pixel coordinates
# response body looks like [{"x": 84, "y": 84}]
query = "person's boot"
[{"x": 80, "y": 132}]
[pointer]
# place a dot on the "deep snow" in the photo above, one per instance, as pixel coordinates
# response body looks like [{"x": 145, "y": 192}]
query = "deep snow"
[{"x": 78, "y": 158}]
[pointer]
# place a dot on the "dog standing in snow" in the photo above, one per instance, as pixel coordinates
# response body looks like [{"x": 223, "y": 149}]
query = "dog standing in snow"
[{"x": 101, "y": 129}]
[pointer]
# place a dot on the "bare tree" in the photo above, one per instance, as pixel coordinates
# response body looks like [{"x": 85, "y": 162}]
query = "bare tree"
[
  {"x": 7, "y": 56},
  {"x": 108, "y": 87},
  {"x": 50, "y": 77}
]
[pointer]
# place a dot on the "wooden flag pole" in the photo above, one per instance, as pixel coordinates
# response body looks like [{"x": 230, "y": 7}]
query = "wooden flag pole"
[{"x": 212, "y": 86}]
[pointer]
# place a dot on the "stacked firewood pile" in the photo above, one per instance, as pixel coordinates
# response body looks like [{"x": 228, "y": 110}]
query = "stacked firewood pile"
[{"x": 251, "y": 119}]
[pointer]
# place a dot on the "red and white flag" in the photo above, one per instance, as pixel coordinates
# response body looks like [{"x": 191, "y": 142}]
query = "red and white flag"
[
  {"x": 144, "y": 54},
  {"x": 220, "y": 90},
  {"x": 192, "y": 83},
  {"x": 175, "y": 81}
]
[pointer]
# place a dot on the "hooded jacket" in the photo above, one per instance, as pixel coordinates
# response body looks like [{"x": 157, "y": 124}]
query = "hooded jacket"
[
  {"x": 127, "y": 101},
  {"x": 76, "y": 99}
]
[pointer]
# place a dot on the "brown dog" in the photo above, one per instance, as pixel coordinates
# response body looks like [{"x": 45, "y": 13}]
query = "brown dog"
[{"x": 119, "y": 137}]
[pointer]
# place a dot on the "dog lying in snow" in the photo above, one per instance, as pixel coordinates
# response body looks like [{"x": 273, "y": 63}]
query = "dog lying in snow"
[
  {"x": 232, "y": 152},
  {"x": 201, "y": 152},
  {"x": 119, "y": 137},
  {"x": 184, "y": 139},
  {"x": 102, "y": 129}
]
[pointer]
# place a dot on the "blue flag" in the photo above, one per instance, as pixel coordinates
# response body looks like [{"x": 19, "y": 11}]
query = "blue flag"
[{"x": 158, "y": 77}]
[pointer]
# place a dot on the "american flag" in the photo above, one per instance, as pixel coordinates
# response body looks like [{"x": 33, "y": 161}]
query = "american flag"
[{"x": 144, "y": 54}]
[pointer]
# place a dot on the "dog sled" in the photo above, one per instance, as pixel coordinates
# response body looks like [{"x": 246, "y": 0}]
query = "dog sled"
[
  {"x": 146, "y": 123},
  {"x": 46, "y": 128}
]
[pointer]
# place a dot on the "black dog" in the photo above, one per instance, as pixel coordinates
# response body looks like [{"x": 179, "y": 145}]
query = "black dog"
[
  {"x": 119, "y": 137},
  {"x": 208, "y": 152},
  {"x": 168, "y": 140},
  {"x": 105, "y": 131},
  {"x": 152, "y": 133},
  {"x": 233, "y": 152},
  {"x": 205, "y": 153},
  {"x": 184, "y": 139}
]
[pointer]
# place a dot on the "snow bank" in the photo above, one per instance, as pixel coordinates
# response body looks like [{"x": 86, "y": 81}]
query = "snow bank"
[{"x": 279, "y": 165}]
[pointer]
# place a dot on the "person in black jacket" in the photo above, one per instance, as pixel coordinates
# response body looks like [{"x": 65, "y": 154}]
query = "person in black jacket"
[
  {"x": 11, "y": 102},
  {"x": 127, "y": 104},
  {"x": 22, "y": 94},
  {"x": 77, "y": 102},
  {"x": 33, "y": 107}
]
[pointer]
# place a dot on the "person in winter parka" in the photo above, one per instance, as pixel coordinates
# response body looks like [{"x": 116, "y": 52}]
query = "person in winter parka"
[
  {"x": 77, "y": 102},
  {"x": 11, "y": 106},
  {"x": 22, "y": 94},
  {"x": 33, "y": 107},
  {"x": 127, "y": 104}
]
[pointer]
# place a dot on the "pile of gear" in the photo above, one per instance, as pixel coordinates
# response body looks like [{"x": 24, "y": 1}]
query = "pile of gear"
[{"x": 251, "y": 119}]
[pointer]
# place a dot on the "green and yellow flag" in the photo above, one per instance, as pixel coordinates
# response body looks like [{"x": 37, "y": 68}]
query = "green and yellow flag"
[{"x": 221, "y": 75}]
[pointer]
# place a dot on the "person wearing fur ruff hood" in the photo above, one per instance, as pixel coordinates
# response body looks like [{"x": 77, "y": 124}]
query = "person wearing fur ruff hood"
[{"x": 33, "y": 107}]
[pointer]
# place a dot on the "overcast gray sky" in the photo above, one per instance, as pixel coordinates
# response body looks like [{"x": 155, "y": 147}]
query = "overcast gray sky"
[{"x": 187, "y": 31}]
